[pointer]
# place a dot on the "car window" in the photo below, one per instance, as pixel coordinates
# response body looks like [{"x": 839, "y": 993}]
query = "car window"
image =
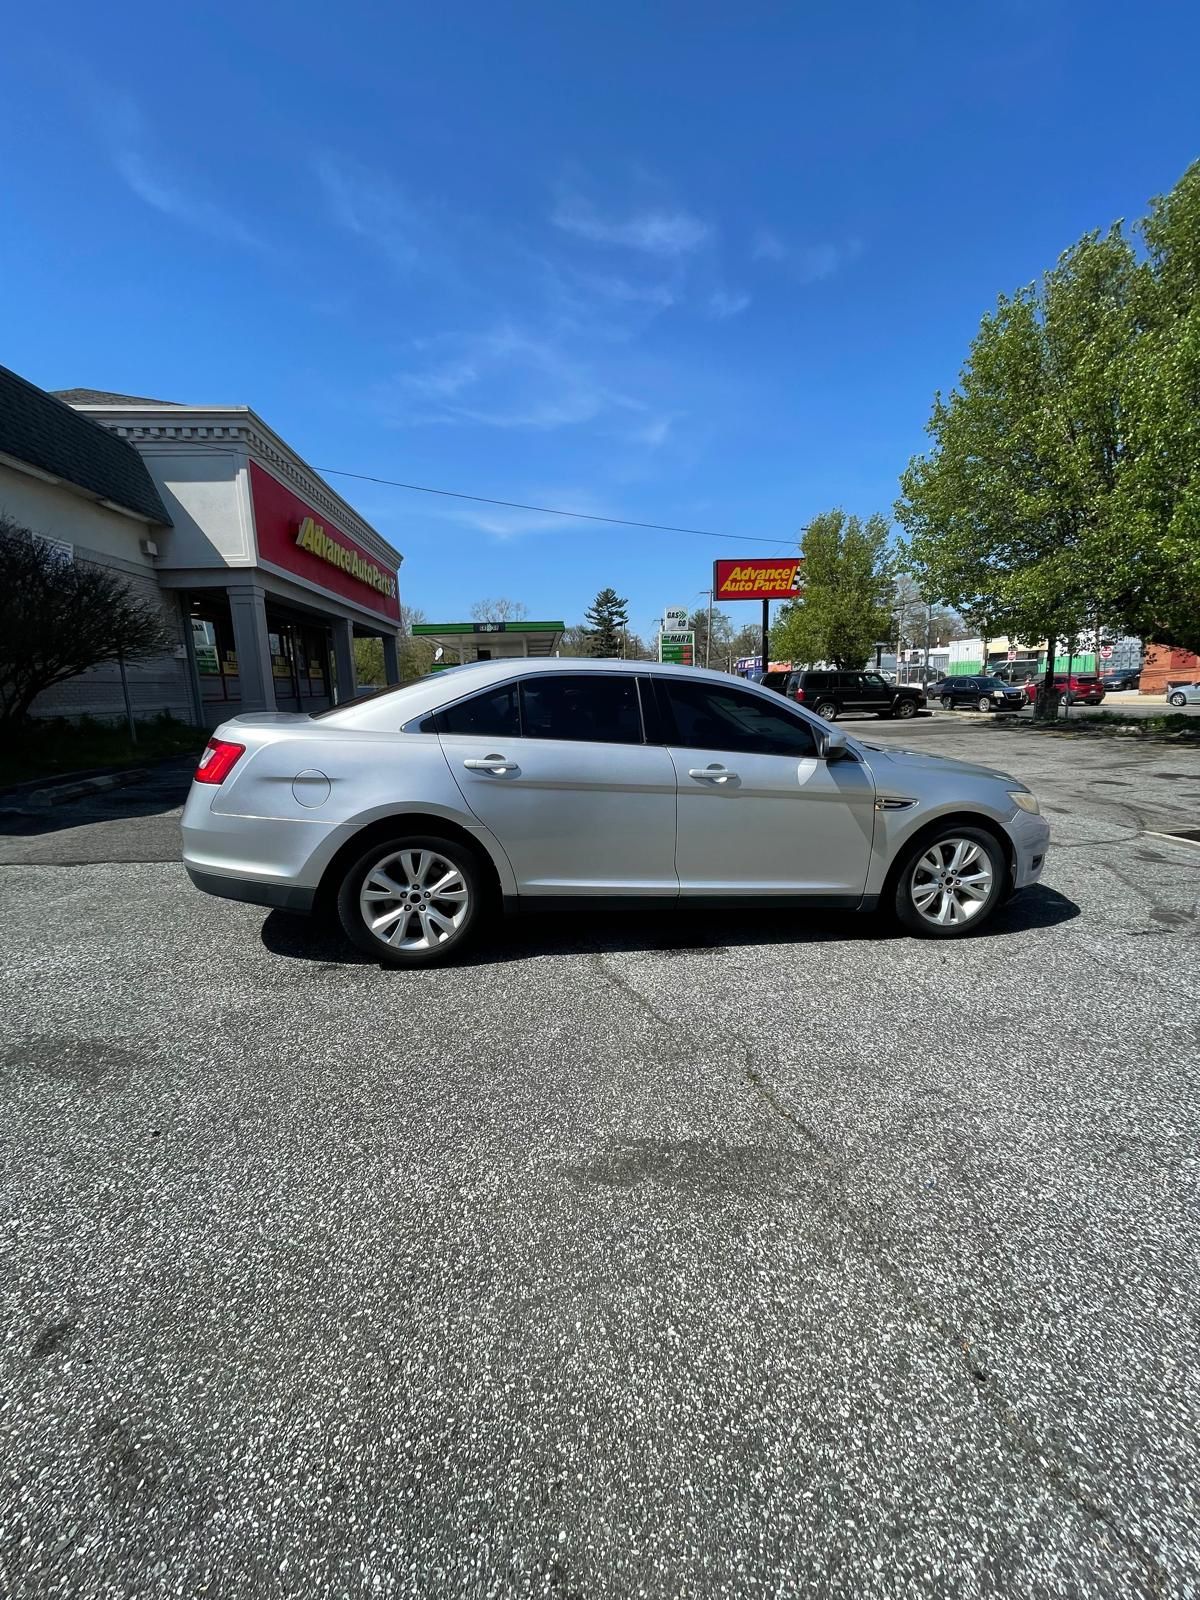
[
  {"x": 873, "y": 680},
  {"x": 817, "y": 680},
  {"x": 584, "y": 706},
  {"x": 712, "y": 717},
  {"x": 490, "y": 715}
]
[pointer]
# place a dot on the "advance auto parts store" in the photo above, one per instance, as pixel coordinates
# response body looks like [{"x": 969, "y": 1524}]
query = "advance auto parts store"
[{"x": 276, "y": 573}]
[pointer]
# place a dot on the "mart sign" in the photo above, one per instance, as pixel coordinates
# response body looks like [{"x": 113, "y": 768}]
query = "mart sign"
[
  {"x": 760, "y": 578},
  {"x": 679, "y": 647}
]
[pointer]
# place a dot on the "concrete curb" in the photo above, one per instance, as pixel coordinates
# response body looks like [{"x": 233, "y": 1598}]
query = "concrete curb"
[{"x": 58, "y": 794}]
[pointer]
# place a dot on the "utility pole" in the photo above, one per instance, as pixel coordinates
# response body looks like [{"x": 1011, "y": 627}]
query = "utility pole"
[{"x": 708, "y": 635}]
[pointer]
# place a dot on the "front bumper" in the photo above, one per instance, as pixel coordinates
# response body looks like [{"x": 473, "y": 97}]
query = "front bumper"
[{"x": 1030, "y": 837}]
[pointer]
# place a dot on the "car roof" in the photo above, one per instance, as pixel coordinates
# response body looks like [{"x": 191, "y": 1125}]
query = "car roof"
[{"x": 384, "y": 710}]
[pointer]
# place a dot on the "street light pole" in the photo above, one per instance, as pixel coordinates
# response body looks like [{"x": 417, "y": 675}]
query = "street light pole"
[{"x": 708, "y": 635}]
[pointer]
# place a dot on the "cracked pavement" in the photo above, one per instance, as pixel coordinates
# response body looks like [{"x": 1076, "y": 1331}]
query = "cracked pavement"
[{"x": 723, "y": 1254}]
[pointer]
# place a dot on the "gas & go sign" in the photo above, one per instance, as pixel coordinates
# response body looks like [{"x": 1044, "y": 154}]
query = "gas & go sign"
[{"x": 759, "y": 578}]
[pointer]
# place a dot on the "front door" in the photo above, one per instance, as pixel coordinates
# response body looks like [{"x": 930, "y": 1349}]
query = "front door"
[
  {"x": 557, "y": 767},
  {"x": 759, "y": 812}
]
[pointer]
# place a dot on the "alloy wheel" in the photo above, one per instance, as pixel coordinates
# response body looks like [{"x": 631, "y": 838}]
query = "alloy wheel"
[
  {"x": 414, "y": 899},
  {"x": 985, "y": 703},
  {"x": 951, "y": 882},
  {"x": 947, "y": 703},
  {"x": 827, "y": 710},
  {"x": 906, "y": 708}
]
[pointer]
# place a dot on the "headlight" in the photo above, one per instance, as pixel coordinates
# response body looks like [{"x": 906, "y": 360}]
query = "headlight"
[{"x": 1025, "y": 800}]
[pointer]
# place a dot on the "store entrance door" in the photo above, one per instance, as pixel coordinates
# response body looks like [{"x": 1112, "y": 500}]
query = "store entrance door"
[{"x": 299, "y": 664}]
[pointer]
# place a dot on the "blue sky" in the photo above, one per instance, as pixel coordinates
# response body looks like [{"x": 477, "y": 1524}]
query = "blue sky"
[{"x": 683, "y": 263}]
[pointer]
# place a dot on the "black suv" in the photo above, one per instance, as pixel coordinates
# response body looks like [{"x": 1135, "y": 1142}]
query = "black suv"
[
  {"x": 982, "y": 691},
  {"x": 829, "y": 693}
]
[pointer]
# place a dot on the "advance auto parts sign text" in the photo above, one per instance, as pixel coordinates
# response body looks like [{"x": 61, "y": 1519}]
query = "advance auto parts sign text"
[
  {"x": 313, "y": 538},
  {"x": 759, "y": 578}
]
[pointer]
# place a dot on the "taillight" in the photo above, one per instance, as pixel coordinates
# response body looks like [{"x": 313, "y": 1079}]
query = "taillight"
[
  {"x": 798, "y": 695},
  {"x": 218, "y": 761}
]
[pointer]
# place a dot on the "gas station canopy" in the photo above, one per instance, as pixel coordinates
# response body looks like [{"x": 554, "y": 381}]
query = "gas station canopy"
[{"x": 460, "y": 642}]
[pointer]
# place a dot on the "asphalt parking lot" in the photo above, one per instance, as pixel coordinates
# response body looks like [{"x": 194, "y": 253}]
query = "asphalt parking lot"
[{"x": 721, "y": 1255}]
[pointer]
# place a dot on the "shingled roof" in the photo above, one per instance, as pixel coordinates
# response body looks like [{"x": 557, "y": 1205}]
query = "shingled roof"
[
  {"x": 105, "y": 397},
  {"x": 42, "y": 430}
]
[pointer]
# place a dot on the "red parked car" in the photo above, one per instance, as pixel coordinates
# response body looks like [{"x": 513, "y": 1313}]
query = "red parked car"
[{"x": 1080, "y": 688}]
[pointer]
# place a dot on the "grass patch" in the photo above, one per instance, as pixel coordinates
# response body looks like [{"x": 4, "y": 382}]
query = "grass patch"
[
  {"x": 1173, "y": 725},
  {"x": 56, "y": 747}
]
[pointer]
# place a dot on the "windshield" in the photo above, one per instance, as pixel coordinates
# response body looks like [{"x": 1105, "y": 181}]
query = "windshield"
[{"x": 991, "y": 683}]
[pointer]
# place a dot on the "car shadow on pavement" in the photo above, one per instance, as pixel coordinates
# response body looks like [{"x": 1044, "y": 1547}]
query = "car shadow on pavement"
[
  {"x": 548, "y": 933},
  {"x": 165, "y": 788}
]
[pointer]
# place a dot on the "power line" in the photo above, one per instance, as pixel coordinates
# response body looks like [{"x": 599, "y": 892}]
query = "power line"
[{"x": 553, "y": 511}]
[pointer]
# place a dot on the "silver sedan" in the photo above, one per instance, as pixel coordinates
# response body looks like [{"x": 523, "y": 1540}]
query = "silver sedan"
[
  {"x": 1184, "y": 694},
  {"x": 419, "y": 811}
]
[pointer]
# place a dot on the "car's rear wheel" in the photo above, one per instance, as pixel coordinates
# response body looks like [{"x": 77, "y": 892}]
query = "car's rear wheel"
[
  {"x": 412, "y": 901},
  {"x": 947, "y": 703},
  {"x": 1179, "y": 699},
  {"x": 826, "y": 709},
  {"x": 904, "y": 708},
  {"x": 951, "y": 884}
]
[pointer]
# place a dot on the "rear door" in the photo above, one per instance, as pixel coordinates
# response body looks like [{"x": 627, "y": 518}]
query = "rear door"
[
  {"x": 558, "y": 768},
  {"x": 759, "y": 812}
]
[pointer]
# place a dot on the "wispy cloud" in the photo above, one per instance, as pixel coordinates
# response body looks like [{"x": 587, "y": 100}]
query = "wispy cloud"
[
  {"x": 723, "y": 303},
  {"x": 370, "y": 205},
  {"x": 767, "y": 246},
  {"x": 654, "y": 232},
  {"x": 158, "y": 188},
  {"x": 809, "y": 263},
  {"x": 502, "y": 377},
  {"x": 659, "y": 295}
]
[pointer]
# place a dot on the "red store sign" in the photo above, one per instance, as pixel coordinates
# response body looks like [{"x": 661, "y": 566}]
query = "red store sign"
[{"x": 292, "y": 535}]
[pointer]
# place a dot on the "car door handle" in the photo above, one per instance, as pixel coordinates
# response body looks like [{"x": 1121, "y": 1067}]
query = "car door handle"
[
  {"x": 712, "y": 774},
  {"x": 491, "y": 764}
]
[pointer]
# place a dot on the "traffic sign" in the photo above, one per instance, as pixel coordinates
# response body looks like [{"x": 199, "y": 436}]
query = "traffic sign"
[
  {"x": 1106, "y": 653},
  {"x": 1012, "y": 654}
]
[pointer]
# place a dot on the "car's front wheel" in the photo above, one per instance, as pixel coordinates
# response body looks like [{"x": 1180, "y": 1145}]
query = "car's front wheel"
[
  {"x": 904, "y": 708},
  {"x": 984, "y": 702},
  {"x": 412, "y": 901},
  {"x": 951, "y": 884}
]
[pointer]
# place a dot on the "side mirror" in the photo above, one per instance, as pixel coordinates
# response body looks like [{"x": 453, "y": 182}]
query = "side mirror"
[{"x": 831, "y": 744}]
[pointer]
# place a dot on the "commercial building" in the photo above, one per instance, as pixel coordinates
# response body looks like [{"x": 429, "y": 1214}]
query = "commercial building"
[{"x": 264, "y": 573}]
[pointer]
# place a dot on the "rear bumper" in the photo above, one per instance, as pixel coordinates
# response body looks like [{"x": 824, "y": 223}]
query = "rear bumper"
[{"x": 282, "y": 896}]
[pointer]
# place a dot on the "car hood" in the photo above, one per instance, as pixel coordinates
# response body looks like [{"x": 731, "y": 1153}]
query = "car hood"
[{"x": 883, "y": 760}]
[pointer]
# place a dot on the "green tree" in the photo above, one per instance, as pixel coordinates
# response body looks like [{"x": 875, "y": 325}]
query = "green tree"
[
  {"x": 716, "y": 652},
  {"x": 847, "y": 593},
  {"x": 607, "y": 619},
  {"x": 60, "y": 618},
  {"x": 1005, "y": 513},
  {"x": 1149, "y": 552}
]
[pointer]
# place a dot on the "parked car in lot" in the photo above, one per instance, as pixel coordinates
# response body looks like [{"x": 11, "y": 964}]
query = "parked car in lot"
[
  {"x": 614, "y": 783},
  {"x": 776, "y": 679},
  {"x": 829, "y": 693},
  {"x": 1080, "y": 688},
  {"x": 1119, "y": 682},
  {"x": 1183, "y": 694},
  {"x": 980, "y": 692}
]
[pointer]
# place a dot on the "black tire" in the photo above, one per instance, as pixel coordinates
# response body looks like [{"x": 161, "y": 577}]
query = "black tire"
[
  {"x": 456, "y": 859},
  {"x": 984, "y": 703},
  {"x": 827, "y": 710},
  {"x": 1178, "y": 699},
  {"x": 919, "y": 923},
  {"x": 904, "y": 708},
  {"x": 947, "y": 703}
]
